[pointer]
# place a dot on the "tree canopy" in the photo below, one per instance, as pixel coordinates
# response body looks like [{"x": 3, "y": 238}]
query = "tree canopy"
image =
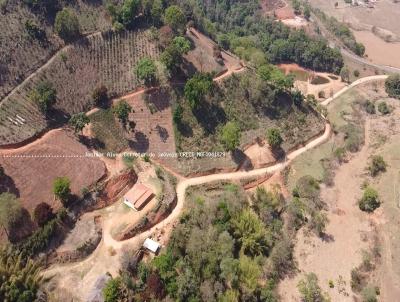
[
  {"x": 44, "y": 95},
  {"x": 61, "y": 189},
  {"x": 67, "y": 25},
  {"x": 122, "y": 110},
  {"x": 230, "y": 136},
  {"x": 370, "y": 200},
  {"x": 146, "y": 70},
  {"x": 274, "y": 138},
  {"x": 12, "y": 214},
  {"x": 392, "y": 86},
  {"x": 195, "y": 89},
  {"x": 79, "y": 121},
  {"x": 175, "y": 18}
]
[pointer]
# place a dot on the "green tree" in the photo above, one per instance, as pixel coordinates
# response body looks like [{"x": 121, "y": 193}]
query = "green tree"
[
  {"x": 307, "y": 12},
  {"x": 79, "y": 121},
  {"x": 198, "y": 86},
  {"x": 156, "y": 12},
  {"x": 249, "y": 274},
  {"x": 370, "y": 200},
  {"x": 392, "y": 86},
  {"x": 274, "y": 76},
  {"x": 297, "y": 97},
  {"x": 175, "y": 18},
  {"x": 274, "y": 138},
  {"x": 129, "y": 11},
  {"x": 230, "y": 136},
  {"x": 146, "y": 70},
  {"x": 377, "y": 165},
  {"x": 310, "y": 290},
  {"x": 181, "y": 44},
  {"x": 250, "y": 232},
  {"x": 111, "y": 292},
  {"x": 66, "y": 25},
  {"x": 44, "y": 95},
  {"x": 122, "y": 110},
  {"x": 61, "y": 189}
]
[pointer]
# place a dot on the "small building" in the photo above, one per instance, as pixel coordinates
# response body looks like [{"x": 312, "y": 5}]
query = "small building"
[
  {"x": 138, "y": 196},
  {"x": 151, "y": 245}
]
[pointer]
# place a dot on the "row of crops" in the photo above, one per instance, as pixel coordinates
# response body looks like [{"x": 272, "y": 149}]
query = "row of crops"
[{"x": 107, "y": 58}]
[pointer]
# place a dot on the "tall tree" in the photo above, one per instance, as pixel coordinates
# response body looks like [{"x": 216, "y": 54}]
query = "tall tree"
[
  {"x": 230, "y": 136},
  {"x": 44, "y": 95},
  {"x": 79, "y": 121},
  {"x": 122, "y": 110},
  {"x": 175, "y": 18},
  {"x": 198, "y": 86},
  {"x": 392, "y": 86},
  {"x": 146, "y": 70},
  {"x": 67, "y": 25}
]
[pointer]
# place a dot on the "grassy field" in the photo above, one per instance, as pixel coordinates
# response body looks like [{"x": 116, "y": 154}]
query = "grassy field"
[{"x": 107, "y": 58}]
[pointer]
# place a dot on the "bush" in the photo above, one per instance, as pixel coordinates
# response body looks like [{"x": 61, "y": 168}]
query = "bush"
[
  {"x": 61, "y": 189},
  {"x": 377, "y": 165},
  {"x": 122, "y": 110},
  {"x": 369, "y": 294},
  {"x": 42, "y": 214},
  {"x": 111, "y": 292},
  {"x": 370, "y": 200},
  {"x": 369, "y": 107},
  {"x": 274, "y": 138},
  {"x": 392, "y": 86},
  {"x": 310, "y": 290},
  {"x": 100, "y": 96},
  {"x": 383, "y": 108},
  {"x": 356, "y": 73},
  {"x": 230, "y": 136},
  {"x": 66, "y": 25},
  {"x": 44, "y": 95}
]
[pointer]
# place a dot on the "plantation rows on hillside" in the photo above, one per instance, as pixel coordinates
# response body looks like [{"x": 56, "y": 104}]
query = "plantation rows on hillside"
[{"x": 101, "y": 59}]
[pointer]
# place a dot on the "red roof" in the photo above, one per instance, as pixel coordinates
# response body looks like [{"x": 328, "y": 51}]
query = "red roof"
[{"x": 139, "y": 195}]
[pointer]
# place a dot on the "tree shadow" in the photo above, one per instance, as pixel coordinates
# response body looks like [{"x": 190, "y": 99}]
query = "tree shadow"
[
  {"x": 159, "y": 98},
  {"x": 7, "y": 184},
  {"x": 242, "y": 160},
  {"x": 327, "y": 237},
  {"x": 185, "y": 129},
  {"x": 163, "y": 132},
  {"x": 210, "y": 116},
  {"x": 141, "y": 142},
  {"x": 91, "y": 142}
]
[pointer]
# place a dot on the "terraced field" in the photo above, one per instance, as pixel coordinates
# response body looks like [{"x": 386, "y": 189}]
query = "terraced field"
[{"x": 107, "y": 58}]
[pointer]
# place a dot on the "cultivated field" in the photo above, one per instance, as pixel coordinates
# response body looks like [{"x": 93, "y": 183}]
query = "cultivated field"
[
  {"x": 21, "y": 55},
  {"x": 107, "y": 58},
  {"x": 32, "y": 169}
]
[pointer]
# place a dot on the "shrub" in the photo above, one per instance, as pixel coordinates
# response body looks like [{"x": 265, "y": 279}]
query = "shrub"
[
  {"x": 356, "y": 73},
  {"x": 369, "y": 294},
  {"x": 383, "y": 108},
  {"x": 370, "y": 200},
  {"x": 111, "y": 292},
  {"x": 66, "y": 25},
  {"x": 122, "y": 110},
  {"x": 310, "y": 290},
  {"x": 178, "y": 114},
  {"x": 44, "y": 95},
  {"x": 274, "y": 138},
  {"x": 377, "y": 165},
  {"x": 369, "y": 107},
  {"x": 61, "y": 189},
  {"x": 42, "y": 214},
  {"x": 392, "y": 86},
  {"x": 195, "y": 89},
  {"x": 230, "y": 136},
  {"x": 79, "y": 121},
  {"x": 297, "y": 97}
]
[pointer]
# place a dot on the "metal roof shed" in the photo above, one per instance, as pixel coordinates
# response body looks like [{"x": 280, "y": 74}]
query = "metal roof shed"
[{"x": 151, "y": 245}]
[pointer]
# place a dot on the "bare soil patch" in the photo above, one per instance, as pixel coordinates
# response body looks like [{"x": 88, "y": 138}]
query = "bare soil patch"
[{"x": 25, "y": 165}]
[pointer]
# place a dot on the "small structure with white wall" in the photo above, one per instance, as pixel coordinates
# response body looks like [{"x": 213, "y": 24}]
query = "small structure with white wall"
[
  {"x": 151, "y": 245},
  {"x": 137, "y": 197}
]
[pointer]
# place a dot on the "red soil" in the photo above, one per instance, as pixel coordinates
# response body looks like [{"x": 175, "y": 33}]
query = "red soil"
[{"x": 31, "y": 174}]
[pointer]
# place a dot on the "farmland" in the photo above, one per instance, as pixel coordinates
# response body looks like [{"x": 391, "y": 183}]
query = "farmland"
[
  {"x": 20, "y": 55},
  {"x": 107, "y": 58}
]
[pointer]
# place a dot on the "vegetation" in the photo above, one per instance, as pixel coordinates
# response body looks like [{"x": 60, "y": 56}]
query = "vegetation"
[
  {"x": 274, "y": 138},
  {"x": 345, "y": 74},
  {"x": 370, "y": 107},
  {"x": 172, "y": 55},
  {"x": 66, "y": 25},
  {"x": 79, "y": 121},
  {"x": 100, "y": 96},
  {"x": 122, "y": 110},
  {"x": 310, "y": 290},
  {"x": 44, "y": 95},
  {"x": 61, "y": 189},
  {"x": 341, "y": 31},
  {"x": 384, "y": 108},
  {"x": 13, "y": 217},
  {"x": 111, "y": 291},
  {"x": 370, "y": 200},
  {"x": 230, "y": 136},
  {"x": 19, "y": 280},
  {"x": 175, "y": 18},
  {"x": 197, "y": 87},
  {"x": 146, "y": 70},
  {"x": 377, "y": 165},
  {"x": 392, "y": 86},
  {"x": 42, "y": 214}
]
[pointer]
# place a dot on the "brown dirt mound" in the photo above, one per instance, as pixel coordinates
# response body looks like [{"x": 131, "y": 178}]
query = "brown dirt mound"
[{"x": 32, "y": 173}]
